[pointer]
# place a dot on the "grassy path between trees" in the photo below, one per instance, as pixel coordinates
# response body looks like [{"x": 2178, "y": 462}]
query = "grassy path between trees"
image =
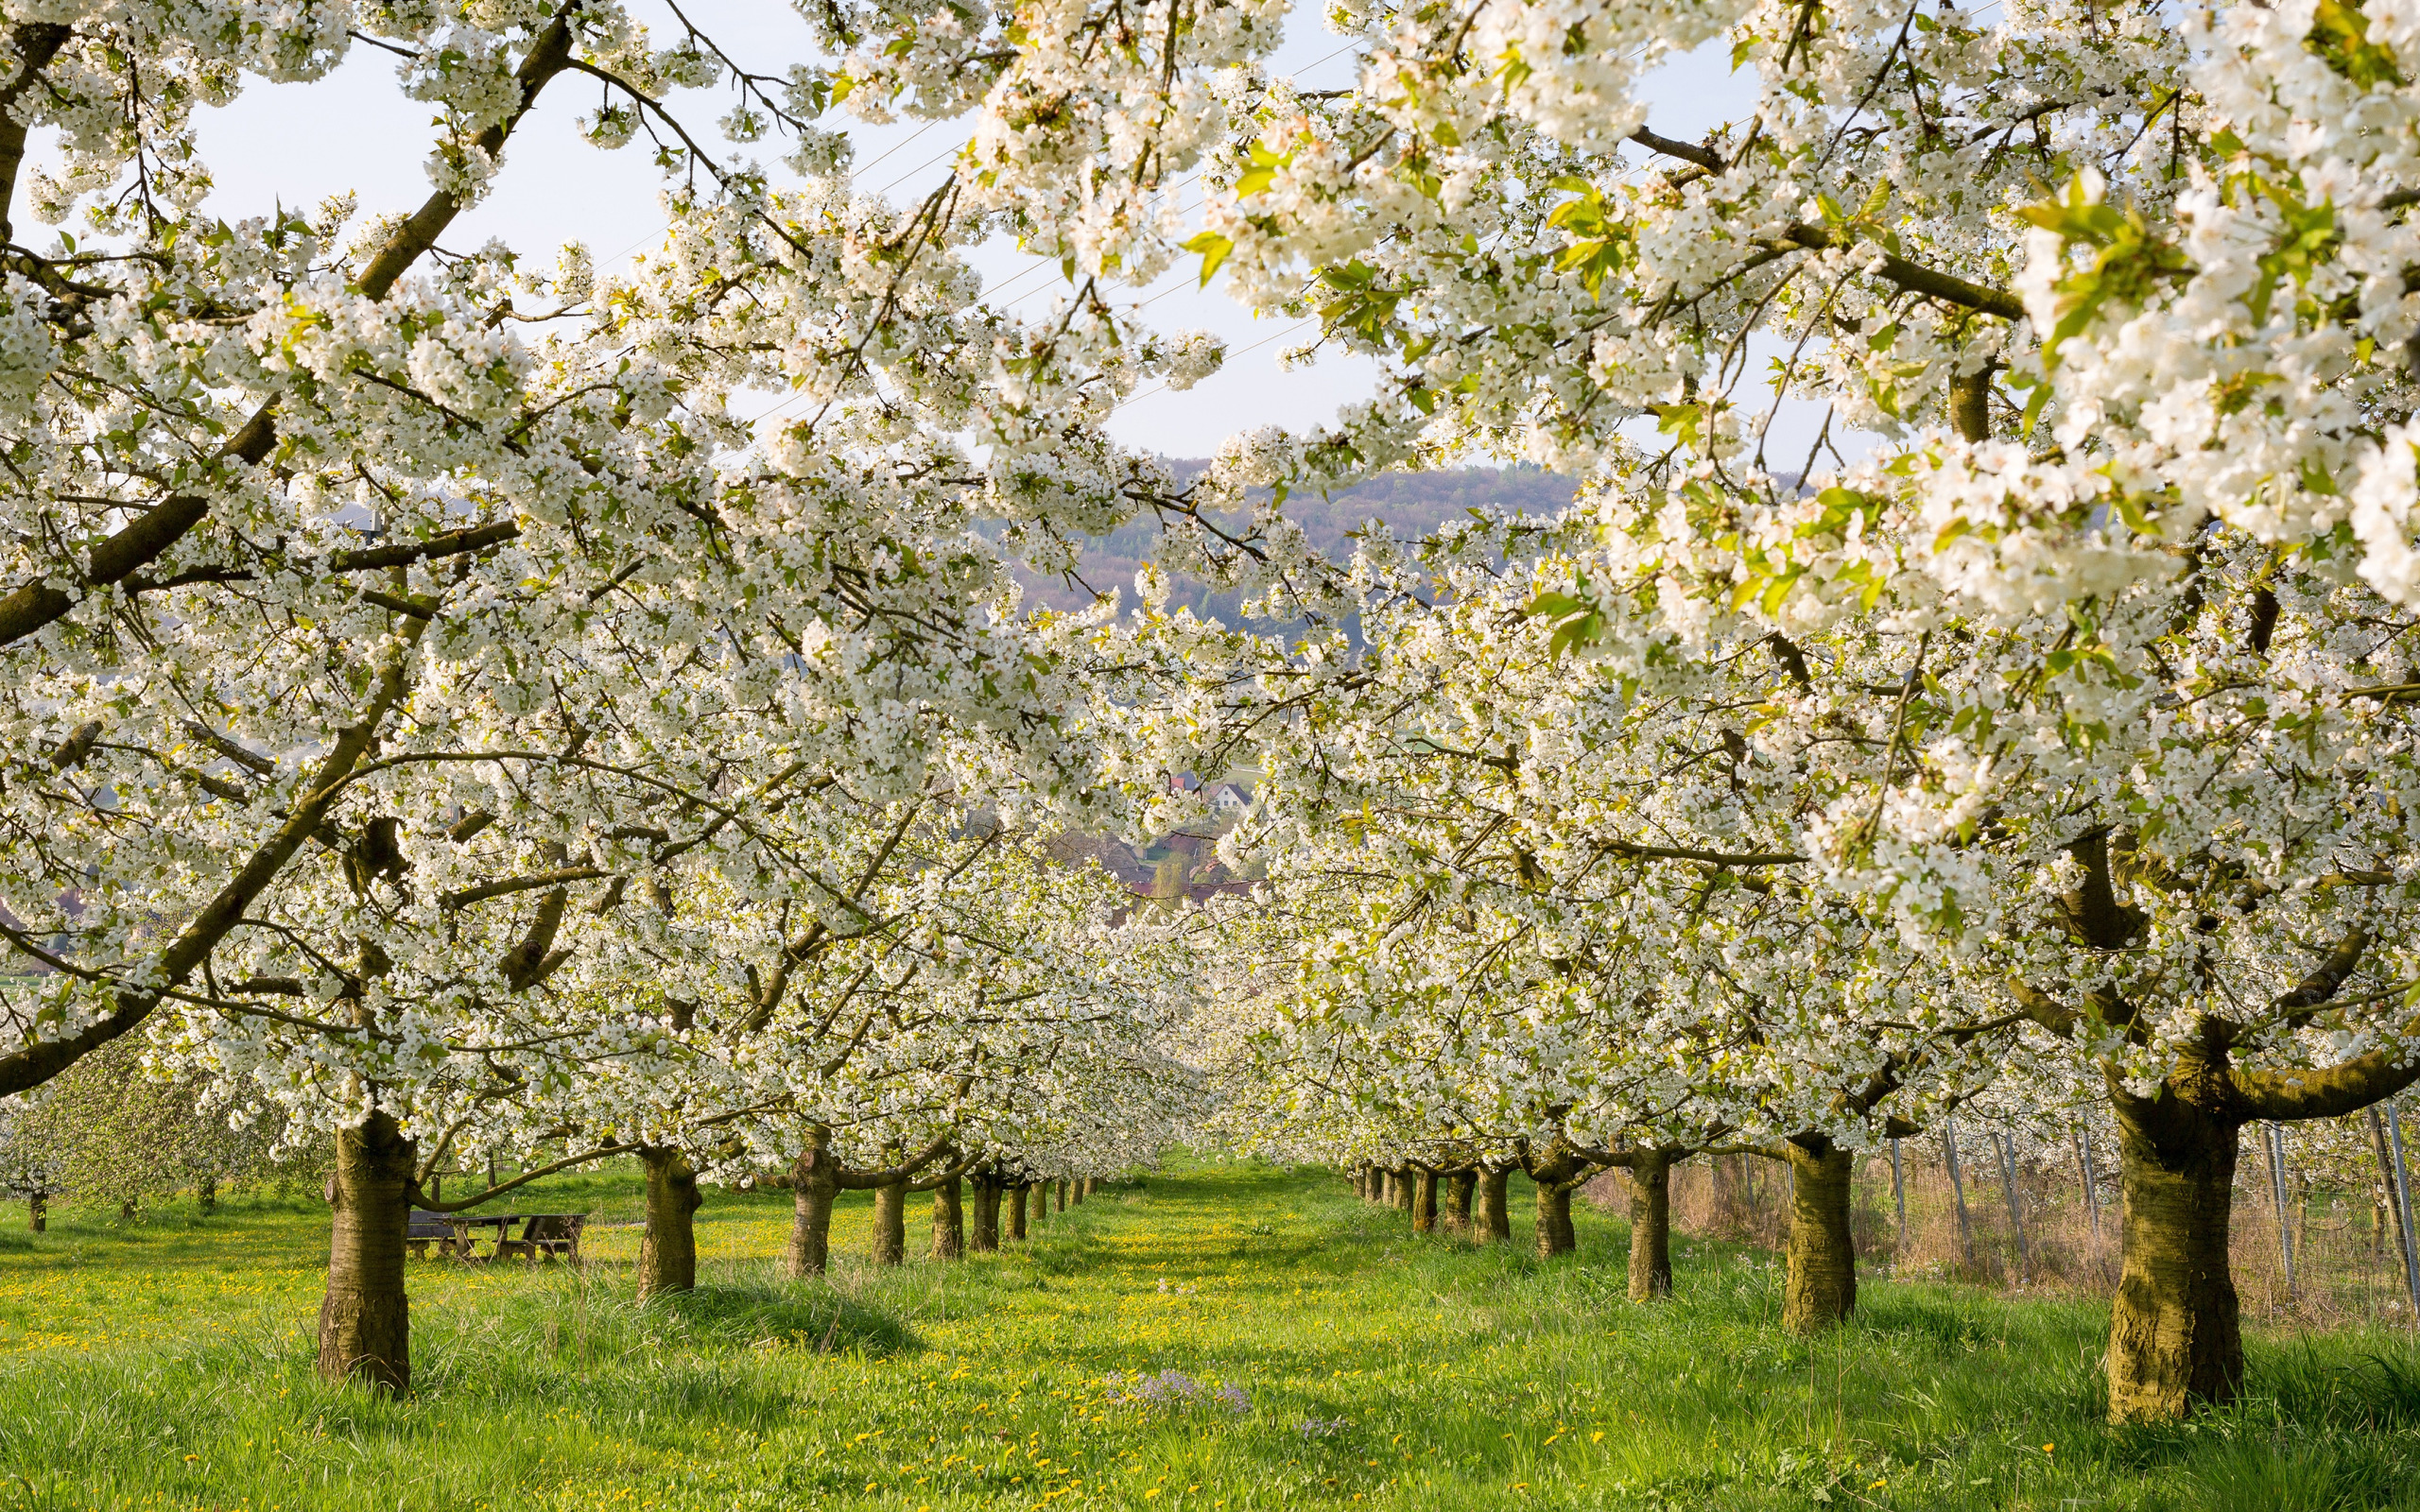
[{"x": 1325, "y": 1356}]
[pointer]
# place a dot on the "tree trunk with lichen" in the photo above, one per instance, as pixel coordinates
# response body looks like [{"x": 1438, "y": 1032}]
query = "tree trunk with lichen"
[
  {"x": 986, "y": 1238},
  {"x": 1016, "y": 1208},
  {"x": 1424, "y": 1202},
  {"x": 669, "y": 1251},
  {"x": 2175, "y": 1327},
  {"x": 1459, "y": 1190},
  {"x": 1494, "y": 1226},
  {"x": 365, "y": 1320},
  {"x": 1555, "y": 1235},
  {"x": 891, "y": 1224},
  {"x": 949, "y": 1220},
  {"x": 1821, "y": 1288},
  {"x": 1557, "y": 1173},
  {"x": 815, "y": 1184},
  {"x": 1650, "y": 1226}
]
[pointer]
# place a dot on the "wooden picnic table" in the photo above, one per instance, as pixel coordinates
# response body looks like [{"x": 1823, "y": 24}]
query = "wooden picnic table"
[{"x": 547, "y": 1234}]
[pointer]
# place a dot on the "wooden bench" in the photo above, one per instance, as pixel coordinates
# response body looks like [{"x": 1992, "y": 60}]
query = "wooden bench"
[
  {"x": 425, "y": 1229},
  {"x": 553, "y": 1235}
]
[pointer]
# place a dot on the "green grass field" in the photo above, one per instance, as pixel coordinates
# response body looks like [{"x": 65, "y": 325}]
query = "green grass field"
[{"x": 168, "y": 1363}]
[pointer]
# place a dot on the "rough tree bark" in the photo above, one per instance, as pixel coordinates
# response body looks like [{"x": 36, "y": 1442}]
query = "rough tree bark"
[
  {"x": 1556, "y": 1172},
  {"x": 365, "y": 1321},
  {"x": 1459, "y": 1190},
  {"x": 2175, "y": 1328},
  {"x": 1650, "y": 1226},
  {"x": 891, "y": 1223},
  {"x": 1821, "y": 1290},
  {"x": 668, "y": 1253},
  {"x": 1016, "y": 1208},
  {"x": 949, "y": 1220},
  {"x": 1495, "y": 1209},
  {"x": 815, "y": 1183},
  {"x": 1555, "y": 1233},
  {"x": 1424, "y": 1202},
  {"x": 987, "y": 1214}
]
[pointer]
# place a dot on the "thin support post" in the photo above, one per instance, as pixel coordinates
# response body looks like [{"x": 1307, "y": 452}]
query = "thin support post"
[
  {"x": 2277, "y": 1192},
  {"x": 1958, "y": 1185},
  {"x": 2403, "y": 1200},
  {"x": 2015, "y": 1216},
  {"x": 1899, "y": 1197},
  {"x": 2091, "y": 1193}
]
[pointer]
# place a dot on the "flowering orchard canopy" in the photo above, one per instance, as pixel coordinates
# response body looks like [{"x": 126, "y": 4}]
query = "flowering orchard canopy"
[{"x": 374, "y": 612}]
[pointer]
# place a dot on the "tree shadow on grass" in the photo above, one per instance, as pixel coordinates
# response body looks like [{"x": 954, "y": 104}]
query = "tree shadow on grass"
[{"x": 819, "y": 1318}]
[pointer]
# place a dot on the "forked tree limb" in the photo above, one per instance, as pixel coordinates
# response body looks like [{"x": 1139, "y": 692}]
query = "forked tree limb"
[{"x": 137, "y": 544}]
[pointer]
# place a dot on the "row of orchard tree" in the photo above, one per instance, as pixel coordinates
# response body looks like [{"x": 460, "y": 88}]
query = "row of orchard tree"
[
  {"x": 434, "y": 707},
  {"x": 1565, "y": 885},
  {"x": 439, "y": 722}
]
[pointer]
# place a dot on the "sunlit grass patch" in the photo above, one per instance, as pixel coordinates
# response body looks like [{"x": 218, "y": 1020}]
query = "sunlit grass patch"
[{"x": 1307, "y": 1350}]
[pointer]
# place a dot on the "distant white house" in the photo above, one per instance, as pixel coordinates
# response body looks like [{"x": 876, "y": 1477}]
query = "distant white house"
[{"x": 1222, "y": 798}]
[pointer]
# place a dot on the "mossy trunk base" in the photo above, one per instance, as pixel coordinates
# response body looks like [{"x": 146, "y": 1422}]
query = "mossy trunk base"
[
  {"x": 1821, "y": 1289},
  {"x": 1555, "y": 1233},
  {"x": 668, "y": 1252},
  {"x": 2175, "y": 1330},
  {"x": 986, "y": 1238},
  {"x": 1460, "y": 1188},
  {"x": 365, "y": 1321},
  {"x": 891, "y": 1224},
  {"x": 949, "y": 1220},
  {"x": 1650, "y": 1228},
  {"x": 1495, "y": 1209},
  {"x": 815, "y": 1183}
]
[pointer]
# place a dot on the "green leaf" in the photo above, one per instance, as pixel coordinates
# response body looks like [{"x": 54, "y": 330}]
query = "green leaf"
[{"x": 1214, "y": 249}]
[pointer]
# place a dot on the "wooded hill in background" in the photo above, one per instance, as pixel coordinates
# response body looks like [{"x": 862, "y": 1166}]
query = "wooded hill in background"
[{"x": 1412, "y": 504}]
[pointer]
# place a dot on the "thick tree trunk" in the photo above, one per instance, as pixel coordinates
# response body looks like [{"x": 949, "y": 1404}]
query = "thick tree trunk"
[
  {"x": 1821, "y": 1290},
  {"x": 668, "y": 1252},
  {"x": 949, "y": 1220},
  {"x": 38, "y": 1214},
  {"x": 891, "y": 1224},
  {"x": 815, "y": 1183},
  {"x": 1016, "y": 1210},
  {"x": 1424, "y": 1202},
  {"x": 2175, "y": 1332},
  {"x": 1407, "y": 1192},
  {"x": 1386, "y": 1187},
  {"x": 1495, "y": 1209},
  {"x": 1555, "y": 1233},
  {"x": 1651, "y": 1227},
  {"x": 1077, "y": 1196},
  {"x": 365, "y": 1322},
  {"x": 987, "y": 1215},
  {"x": 1063, "y": 1185},
  {"x": 1459, "y": 1189}
]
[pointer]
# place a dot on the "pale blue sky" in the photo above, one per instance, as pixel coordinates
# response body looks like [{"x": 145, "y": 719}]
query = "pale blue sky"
[{"x": 356, "y": 130}]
